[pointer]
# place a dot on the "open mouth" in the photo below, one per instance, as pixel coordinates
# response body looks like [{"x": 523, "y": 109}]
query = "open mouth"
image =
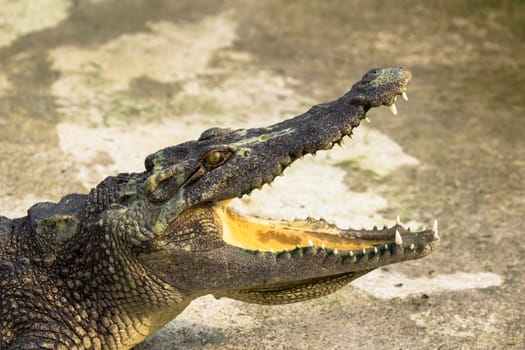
[{"x": 263, "y": 235}]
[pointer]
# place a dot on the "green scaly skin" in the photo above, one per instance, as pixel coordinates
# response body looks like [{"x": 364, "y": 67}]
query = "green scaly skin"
[{"x": 107, "y": 269}]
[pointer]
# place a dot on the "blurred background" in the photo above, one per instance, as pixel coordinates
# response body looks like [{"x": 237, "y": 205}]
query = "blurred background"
[{"x": 90, "y": 88}]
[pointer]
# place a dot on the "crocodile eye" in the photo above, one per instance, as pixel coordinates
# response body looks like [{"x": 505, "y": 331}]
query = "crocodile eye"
[{"x": 216, "y": 158}]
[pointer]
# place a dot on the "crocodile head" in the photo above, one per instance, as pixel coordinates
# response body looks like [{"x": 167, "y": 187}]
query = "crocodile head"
[{"x": 198, "y": 244}]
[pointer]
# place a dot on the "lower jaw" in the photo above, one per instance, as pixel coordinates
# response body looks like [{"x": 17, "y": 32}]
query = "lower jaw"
[{"x": 295, "y": 291}]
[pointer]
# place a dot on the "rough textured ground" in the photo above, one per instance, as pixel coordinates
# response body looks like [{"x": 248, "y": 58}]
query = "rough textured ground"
[{"x": 89, "y": 88}]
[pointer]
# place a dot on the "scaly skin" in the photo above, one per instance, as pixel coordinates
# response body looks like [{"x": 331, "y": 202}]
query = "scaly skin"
[{"x": 107, "y": 269}]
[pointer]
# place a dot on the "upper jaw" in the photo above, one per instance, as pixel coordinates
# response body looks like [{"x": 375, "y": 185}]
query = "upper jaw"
[
  {"x": 312, "y": 124},
  {"x": 261, "y": 154}
]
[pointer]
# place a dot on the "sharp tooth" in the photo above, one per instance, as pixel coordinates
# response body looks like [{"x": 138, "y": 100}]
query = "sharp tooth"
[
  {"x": 412, "y": 246},
  {"x": 336, "y": 251},
  {"x": 393, "y": 108},
  {"x": 375, "y": 250},
  {"x": 435, "y": 229},
  {"x": 395, "y": 98},
  {"x": 404, "y": 95},
  {"x": 351, "y": 253},
  {"x": 310, "y": 243},
  {"x": 398, "y": 221},
  {"x": 367, "y": 119},
  {"x": 322, "y": 245},
  {"x": 398, "y": 239}
]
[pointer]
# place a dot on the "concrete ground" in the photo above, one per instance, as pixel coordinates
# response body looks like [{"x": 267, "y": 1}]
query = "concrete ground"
[{"x": 89, "y": 88}]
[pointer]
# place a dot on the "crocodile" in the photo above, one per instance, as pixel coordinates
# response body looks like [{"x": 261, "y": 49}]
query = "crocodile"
[{"x": 105, "y": 270}]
